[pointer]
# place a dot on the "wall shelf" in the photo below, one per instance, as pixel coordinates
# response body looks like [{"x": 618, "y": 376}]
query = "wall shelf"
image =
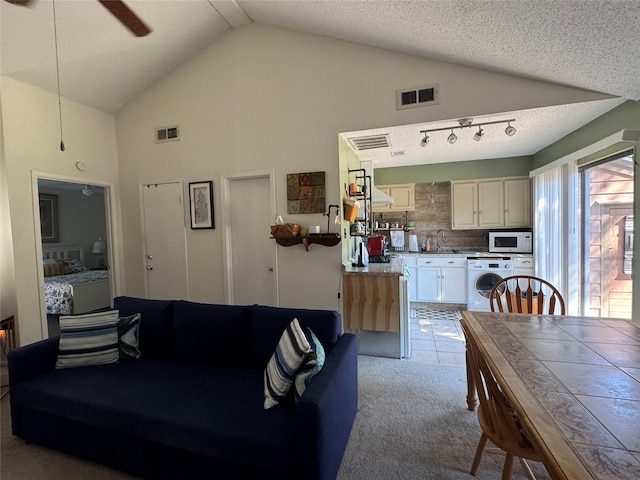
[{"x": 326, "y": 239}]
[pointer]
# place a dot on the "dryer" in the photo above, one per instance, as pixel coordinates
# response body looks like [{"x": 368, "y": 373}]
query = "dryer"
[{"x": 482, "y": 274}]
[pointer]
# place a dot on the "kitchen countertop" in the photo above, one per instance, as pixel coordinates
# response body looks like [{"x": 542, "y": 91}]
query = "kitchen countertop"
[
  {"x": 397, "y": 265},
  {"x": 394, "y": 268},
  {"x": 463, "y": 253}
]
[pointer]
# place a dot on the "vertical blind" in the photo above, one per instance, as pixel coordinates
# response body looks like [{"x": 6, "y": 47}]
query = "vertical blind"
[{"x": 556, "y": 241}]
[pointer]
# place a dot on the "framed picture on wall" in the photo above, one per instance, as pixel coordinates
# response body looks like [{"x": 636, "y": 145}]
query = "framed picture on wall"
[
  {"x": 201, "y": 202},
  {"x": 49, "y": 225}
]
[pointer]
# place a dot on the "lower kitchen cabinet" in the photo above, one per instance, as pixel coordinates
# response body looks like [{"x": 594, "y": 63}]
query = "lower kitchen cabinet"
[
  {"x": 410, "y": 266},
  {"x": 441, "y": 279},
  {"x": 523, "y": 265}
]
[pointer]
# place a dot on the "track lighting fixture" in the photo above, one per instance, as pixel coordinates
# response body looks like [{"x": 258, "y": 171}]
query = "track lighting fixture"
[
  {"x": 467, "y": 122},
  {"x": 511, "y": 131},
  {"x": 479, "y": 134}
]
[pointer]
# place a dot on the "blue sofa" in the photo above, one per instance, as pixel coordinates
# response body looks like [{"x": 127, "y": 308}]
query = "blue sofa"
[{"x": 192, "y": 405}]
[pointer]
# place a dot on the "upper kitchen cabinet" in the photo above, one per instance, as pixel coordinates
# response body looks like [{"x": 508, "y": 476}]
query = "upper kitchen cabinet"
[
  {"x": 517, "y": 199},
  {"x": 491, "y": 203},
  {"x": 403, "y": 198}
]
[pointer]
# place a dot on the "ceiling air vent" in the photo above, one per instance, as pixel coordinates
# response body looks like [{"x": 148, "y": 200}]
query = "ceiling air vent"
[
  {"x": 370, "y": 142},
  {"x": 168, "y": 134},
  {"x": 417, "y": 97}
]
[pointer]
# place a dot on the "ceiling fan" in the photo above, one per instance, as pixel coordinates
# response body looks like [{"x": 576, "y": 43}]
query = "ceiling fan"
[{"x": 119, "y": 10}]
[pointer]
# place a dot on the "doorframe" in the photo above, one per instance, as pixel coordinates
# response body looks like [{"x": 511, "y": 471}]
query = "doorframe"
[
  {"x": 143, "y": 229},
  {"x": 225, "y": 198},
  {"x": 113, "y": 232}
]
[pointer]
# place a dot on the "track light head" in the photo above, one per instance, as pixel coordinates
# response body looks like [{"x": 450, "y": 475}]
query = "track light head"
[
  {"x": 452, "y": 138},
  {"x": 510, "y": 131},
  {"x": 424, "y": 141},
  {"x": 479, "y": 134}
]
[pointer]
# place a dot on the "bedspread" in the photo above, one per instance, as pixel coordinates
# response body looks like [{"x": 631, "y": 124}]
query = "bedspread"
[{"x": 58, "y": 290}]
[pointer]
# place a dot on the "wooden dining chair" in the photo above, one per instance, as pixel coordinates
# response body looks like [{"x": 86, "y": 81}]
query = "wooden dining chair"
[
  {"x": 526, "y": 294},
  {"x": 497, "y": 419}
]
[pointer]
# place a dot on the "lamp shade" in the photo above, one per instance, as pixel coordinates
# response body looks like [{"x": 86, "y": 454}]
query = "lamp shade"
[{"x": 98, "y": 247}]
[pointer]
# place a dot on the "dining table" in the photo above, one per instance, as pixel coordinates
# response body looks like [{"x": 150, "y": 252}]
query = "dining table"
[{"x": 574, "y": 384}]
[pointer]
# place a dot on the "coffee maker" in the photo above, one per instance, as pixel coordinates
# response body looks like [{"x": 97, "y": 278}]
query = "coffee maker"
[{"x": 377, "y": 246}]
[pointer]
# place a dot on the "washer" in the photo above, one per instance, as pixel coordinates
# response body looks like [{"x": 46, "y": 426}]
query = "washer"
[{"x": 482, "y": 274}]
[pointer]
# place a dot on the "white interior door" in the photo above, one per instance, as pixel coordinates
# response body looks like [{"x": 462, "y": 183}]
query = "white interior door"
[
  {"x": 164, "y": 241},
  {"x": 252, "y": 252}
]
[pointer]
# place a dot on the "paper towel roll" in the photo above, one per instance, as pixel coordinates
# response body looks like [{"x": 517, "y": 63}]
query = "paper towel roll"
[{"x": 413, "y": 243}]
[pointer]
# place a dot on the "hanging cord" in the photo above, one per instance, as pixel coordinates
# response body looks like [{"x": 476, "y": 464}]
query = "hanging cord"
[{"x": 55, "y": 36}]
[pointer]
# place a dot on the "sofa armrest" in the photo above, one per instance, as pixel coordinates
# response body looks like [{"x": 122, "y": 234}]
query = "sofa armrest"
[
  {"x": 326, "y": 411},
  {"x": 32, "y": 360}
]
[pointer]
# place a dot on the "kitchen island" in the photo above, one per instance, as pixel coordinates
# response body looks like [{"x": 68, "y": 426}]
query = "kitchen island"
[{"x": 376, "y": 307}]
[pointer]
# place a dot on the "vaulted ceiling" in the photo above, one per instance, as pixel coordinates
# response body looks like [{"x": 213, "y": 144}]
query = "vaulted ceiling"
[{"x": 587, "y": 44}]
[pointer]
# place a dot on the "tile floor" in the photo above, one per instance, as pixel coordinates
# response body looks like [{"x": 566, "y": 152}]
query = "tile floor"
[{"x": 436, "y": 337}]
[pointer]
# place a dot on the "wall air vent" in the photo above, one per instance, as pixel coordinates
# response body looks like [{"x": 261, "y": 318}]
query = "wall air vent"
[
  {"x": 168, "y": 134},
  {"x": 417, "y": 97},
  {"x": 370, "y": 142}
]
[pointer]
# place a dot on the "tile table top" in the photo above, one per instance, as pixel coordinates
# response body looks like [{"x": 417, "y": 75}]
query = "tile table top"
[{"x": 576, "y": 383}]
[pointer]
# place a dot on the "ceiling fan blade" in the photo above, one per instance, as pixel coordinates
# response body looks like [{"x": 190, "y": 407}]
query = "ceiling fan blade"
[
  {"x": 24, "y": 3},
  {"x": 129, "y": 19}
]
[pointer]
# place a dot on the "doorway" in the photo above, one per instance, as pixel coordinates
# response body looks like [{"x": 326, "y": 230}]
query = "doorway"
[
  {"x": 250, "y": 255},
  {"x": 164, "y": 242},
  {"x": 76, "y": 254},
  {"x": 607, "y": 190}
]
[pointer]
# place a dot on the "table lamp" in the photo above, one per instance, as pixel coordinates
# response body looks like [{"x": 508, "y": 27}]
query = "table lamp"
[{"x": 99, "y": 247}]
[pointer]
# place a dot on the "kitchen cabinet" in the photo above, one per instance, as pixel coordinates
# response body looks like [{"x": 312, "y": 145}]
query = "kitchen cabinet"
[
  {"x": 523, "y": 265},
  {"x": 412, "y": 269},
  {"x": 491, "y": 203},
  {"x": 441, "y": 279},
  {"x": 403, "y": 198},
  {"x": 517, "y": 199}
]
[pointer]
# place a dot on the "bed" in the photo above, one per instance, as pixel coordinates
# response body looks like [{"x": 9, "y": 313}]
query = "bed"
[{"x": 69, "y": 287}]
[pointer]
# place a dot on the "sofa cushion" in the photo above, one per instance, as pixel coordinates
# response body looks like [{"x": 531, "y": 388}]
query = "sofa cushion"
[
  {"x": 311, "y": 366},
  {"x": 210, "y": 334},
  {"x": 268, "y": 323},
  {"x": 128, "y": 336},
  {"x": 156, "y": 318},
  {"x": 177, "y": 404},
  {"x": 290, "y": 353},
  {"x": 88, "y": 339}
]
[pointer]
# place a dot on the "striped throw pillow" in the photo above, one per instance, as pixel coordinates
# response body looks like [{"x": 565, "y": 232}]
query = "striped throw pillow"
[
  {"x": 280, "y": 373},
  {"x": 90, "y": 339}
]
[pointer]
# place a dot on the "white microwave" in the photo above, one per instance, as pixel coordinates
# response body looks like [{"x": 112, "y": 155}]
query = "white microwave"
[{"x": 511, "y": 242}]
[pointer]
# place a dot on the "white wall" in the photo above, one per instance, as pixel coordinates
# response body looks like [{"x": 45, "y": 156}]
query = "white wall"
[
  {"x": 32, "y": 138},
  {"x": 266, "y": 98},
  {"x": 8, "y": 301}
]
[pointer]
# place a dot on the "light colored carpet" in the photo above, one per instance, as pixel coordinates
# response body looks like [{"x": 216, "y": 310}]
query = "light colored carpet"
[{"x": 412, "y": 423}]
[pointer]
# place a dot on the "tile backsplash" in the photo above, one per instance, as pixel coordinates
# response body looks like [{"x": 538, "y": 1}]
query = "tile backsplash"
[{"x": 433, "y": 213}]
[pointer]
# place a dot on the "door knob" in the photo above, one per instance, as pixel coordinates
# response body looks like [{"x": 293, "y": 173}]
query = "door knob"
[
  {"x": 149, "y": 267},
  {"x": 150, "y": 257},
  {"x": 271, "y": 269}
]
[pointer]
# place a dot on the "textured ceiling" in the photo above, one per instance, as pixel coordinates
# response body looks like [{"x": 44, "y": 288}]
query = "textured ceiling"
[{"x": 590, "y": 44}]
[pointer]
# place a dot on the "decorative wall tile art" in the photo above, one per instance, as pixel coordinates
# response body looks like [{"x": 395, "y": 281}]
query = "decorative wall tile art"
[{"x": 306, "y": 192}]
